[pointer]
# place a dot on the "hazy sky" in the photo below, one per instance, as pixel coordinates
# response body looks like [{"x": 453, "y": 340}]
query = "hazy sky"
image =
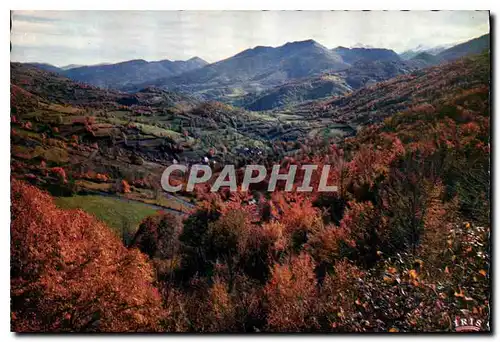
[{"x": 91, "y": 37}]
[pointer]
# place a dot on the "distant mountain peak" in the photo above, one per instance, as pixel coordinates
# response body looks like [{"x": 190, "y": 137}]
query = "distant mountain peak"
[
  {"x": 197, "y": 59},
  {"x": 304, "y": 43},
  {"x": 296, "y": 45},
  {"x": 253, "y": 51},
  {"x": 307, "y": 41}
]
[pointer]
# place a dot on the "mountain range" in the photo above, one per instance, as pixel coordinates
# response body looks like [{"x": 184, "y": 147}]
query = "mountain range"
[
  {"x": 367, "y": 66},
  {"x": 263, "y": 77},
  {"x": 255, "y": 69},
  {"x": 120, "y": 75}
]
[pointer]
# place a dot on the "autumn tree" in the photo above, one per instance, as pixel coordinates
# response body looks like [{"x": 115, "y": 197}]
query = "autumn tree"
[
  {"x": 158, "y": 237},
  {"x": 195, "y": 259},
  {"x": 69, "y": 272},
  {"x": 226, "y": 241}
]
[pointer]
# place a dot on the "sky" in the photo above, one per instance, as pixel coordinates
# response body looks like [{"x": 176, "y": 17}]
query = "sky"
[{"x": 91, "y": 37}]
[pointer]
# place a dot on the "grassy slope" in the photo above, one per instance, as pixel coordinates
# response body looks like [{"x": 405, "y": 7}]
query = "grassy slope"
[{"x": 121, "y": 215}]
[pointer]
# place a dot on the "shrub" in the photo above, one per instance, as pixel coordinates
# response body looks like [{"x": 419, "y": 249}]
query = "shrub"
[
  {"x": 69, "y": 272},
  {"x": 291, "y": 296}
]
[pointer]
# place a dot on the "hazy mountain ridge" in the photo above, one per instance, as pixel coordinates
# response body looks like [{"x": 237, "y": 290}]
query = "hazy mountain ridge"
[
  {"x": 47, "y": 67},
  {"x": 248, "y": 78},
  {"x": 368, "y": 66},
  {"x": 473, "y": 46},
  {"x": 122, "y": 74},
  {"x": 56, "y": 88},
  {"x": 449, "y": 52},
  {"x": 263, "y": 77},
  {"x": 257, "y": 68}
]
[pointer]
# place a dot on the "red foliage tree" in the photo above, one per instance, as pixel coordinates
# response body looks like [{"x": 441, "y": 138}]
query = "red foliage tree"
[{"x": 69, "y": 272}]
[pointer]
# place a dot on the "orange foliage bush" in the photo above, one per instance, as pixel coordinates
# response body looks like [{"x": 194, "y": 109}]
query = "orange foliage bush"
[
  {"x": 125, "y": 186},
  {"x": 324, "y": 245},
  {"x": 69, "y": 272},
  {"x": 291, "y": 295}
]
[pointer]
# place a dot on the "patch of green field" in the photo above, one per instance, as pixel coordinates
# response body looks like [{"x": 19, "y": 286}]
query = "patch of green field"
[
  {"x": 115, "y": 121},
  {"x": 122, "y": 216},
  {"x": 158, "y": 131}
]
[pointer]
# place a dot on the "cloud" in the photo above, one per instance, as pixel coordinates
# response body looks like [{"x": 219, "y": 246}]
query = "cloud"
[{"x": 90, "y": 37}]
